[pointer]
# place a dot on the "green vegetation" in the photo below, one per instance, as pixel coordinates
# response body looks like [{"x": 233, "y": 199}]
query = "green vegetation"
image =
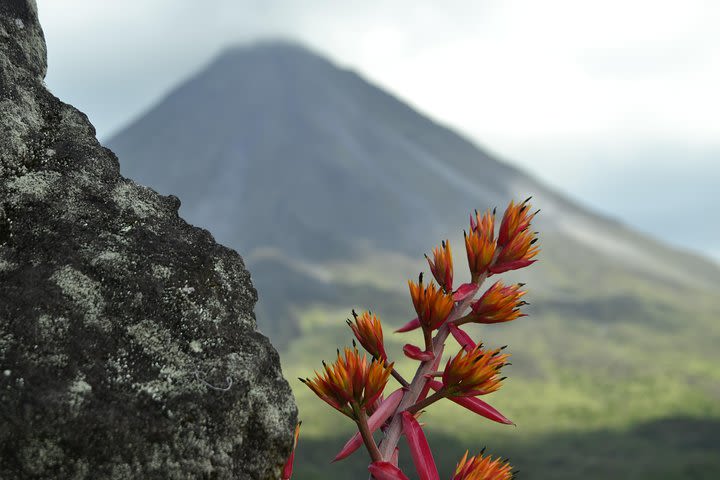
[{"x": 620, "y": 384}]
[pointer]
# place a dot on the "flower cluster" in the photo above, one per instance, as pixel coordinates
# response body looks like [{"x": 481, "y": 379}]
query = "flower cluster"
[
  {"x": 498, "y": 304},
  {"x": 474, "y": 372},
  {"x": 432, "y": 304},
  {"x": 480, "y": 244},
  {"x": 441, "y": 266},
  {"x": 351, "y": 383},
  {"x": 354, "y": 385},
  {"x": 368, "y": 330}
]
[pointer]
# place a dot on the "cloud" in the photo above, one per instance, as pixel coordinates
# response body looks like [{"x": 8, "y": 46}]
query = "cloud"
[
  {"x": 565, "y": 89},
  {"x": 494, "y": 69}
]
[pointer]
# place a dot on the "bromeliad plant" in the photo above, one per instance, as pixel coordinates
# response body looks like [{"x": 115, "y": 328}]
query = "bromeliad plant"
[{"x": 354, "y": 383}]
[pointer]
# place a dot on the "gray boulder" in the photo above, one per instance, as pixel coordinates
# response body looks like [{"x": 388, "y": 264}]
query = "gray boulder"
[{"x": 128, "y": 344}]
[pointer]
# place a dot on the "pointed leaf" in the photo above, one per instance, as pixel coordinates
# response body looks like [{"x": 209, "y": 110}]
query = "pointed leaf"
[
  {"x": 386, "y": 408},
  {"x": 475, "y": 405},
  {"x": 386, "y": 471},
  {"x": 462, "y": 337},
  {"x": 464, "y": 291},
  {"x": 504, "y": 267},
  {"x": 411, "y": 325},
  {"x": 383, "y": 412},
  {"x": 419, "y": 448},
  {"x": 415, "y": 353},
  {"x": 288, "y": 468},
  {"x": 350, "y": 447}
]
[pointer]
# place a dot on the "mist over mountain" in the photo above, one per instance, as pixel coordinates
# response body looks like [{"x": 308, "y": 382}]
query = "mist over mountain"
[{"x": 302, "y": 165}]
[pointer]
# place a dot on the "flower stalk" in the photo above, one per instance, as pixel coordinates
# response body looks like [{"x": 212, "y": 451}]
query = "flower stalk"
[
  {"x": 354, "y": 384},
  {"x": 362, "y": 423},
  {"x": 427, "y": 401},
  {"x": 392, "y": 436}
]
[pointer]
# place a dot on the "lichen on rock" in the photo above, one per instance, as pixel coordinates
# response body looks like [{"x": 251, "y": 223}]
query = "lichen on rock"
[{"x": 128, "y": 344}]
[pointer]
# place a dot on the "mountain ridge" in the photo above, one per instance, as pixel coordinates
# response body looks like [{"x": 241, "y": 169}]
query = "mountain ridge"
[{"x": 274, "y": 148}]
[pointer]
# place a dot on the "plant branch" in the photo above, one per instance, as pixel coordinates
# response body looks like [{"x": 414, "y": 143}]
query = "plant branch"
[
  {"x": 463, "y": 320},
  {"x": 392, "y": 435},
  {"x": 440, "y": 394},
  {"x": 396, "y": 375},
  {"x": 362, "y": 423},
  {"x": 427, "y": 335}
]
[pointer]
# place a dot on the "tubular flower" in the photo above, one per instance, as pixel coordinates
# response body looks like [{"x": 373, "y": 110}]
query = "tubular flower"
[
  {"x": 350, "y": 382},
  {"x": 516, "y": 241},
  {"x": 368, "y": 330},
  {"x": 484, "y": 223},
  {"x": 515, "y": 219},
  {"x": 480, "y": 244},
  {"x": 498, "y": 304},
  {"x": 482, "y": 467},
  {"x": 474, "y": 372},
  {"x": 441, "y": 266},
  {"x": 433, "y": 306}
]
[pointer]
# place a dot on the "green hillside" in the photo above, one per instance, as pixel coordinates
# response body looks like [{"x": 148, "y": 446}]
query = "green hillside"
[{"x": 620, "y": 379}]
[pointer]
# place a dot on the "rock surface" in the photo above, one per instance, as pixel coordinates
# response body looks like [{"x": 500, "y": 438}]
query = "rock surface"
[{"x": 128, "y": 346}]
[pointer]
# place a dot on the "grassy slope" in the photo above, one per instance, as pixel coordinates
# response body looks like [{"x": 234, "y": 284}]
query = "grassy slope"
[{"x": 607, "y": 376}]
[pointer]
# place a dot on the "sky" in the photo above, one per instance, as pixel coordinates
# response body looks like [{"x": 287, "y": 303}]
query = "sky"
[{"x": 615, "y": 103}]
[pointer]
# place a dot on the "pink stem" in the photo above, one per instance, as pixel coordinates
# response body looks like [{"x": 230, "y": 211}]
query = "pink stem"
[{"x": 394, "y": 431}]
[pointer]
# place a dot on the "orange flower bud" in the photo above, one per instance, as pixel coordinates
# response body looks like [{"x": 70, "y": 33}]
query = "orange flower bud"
[
  {"x": 368, "y": 330},
  {"x": 516, "y": 241},
  {"x": 515, "y": 219},
  {"x": 474, "y": 372},
  {"x": 480, "y": 244},
  {"x": 350, "y": 382},
  {"x": 499, "y": 303},
  {"x": 482, "y": 467},
  {"x": 484, "y": 223},
  {"x": 441, "y": 266},
  {"x": 433, "y": 306}
]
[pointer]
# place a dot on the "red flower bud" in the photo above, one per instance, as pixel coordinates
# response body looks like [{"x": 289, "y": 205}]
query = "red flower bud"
[
  {"x": 515, "y": 219},
  {"x": 433, "y": 306},
  {"x": 516, "y": 242},
  {"x": 368, "y": 330},
  {"x": 441, "y": 266},
  {"x": 474, "y": 372},
  {"x": 499, "y": 303},
  {"x": 350, "y": 381},
  {"x": 480, "y": 244}
]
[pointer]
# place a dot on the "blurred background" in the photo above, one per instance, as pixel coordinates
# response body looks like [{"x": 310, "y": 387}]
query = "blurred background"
[{"x": 333, "y": 143}]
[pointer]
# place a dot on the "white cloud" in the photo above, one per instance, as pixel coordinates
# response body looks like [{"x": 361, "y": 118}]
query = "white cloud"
[
  {"x": 495, "y": 69},
  {"x": 569, "y": 90}
]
